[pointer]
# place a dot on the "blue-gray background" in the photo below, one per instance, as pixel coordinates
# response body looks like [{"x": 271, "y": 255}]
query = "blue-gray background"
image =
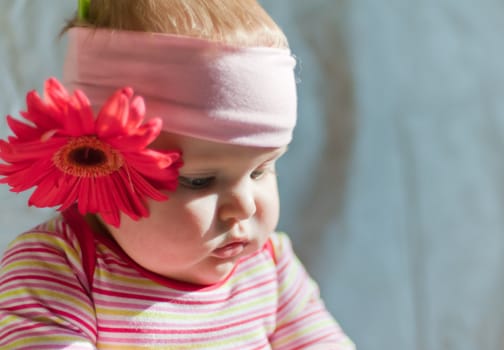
[{"x": 393, "y": 189}]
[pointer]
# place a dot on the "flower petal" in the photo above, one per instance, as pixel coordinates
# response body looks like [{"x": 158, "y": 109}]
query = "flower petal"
[
  {"x": 114, "y": 114},
  {"x": 42, "y": 115},
  {"x": 56, "y": 97},
  {"x": 80, "y": 119},
  {"x": 50, "y": 193},
  {"x": 143, "y": 187},
  {"x": 73, "y": 185},
  {"x": 32, "y": 150},
  {"x": 161, "y": 166},
  {"x": 108, "y": 209},
  {"x": 86, "y": 113},
  {"x": 143, "y": 137},
  {"x": 137, "y": 114},
  {"x": 133, "y": 204},
  {"x": 28, "y": 175},
  {"x": 83, "y": 197},
  {"x": 23, "y": 130}
]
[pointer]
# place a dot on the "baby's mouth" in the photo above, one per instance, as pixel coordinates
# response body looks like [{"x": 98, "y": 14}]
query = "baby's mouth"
[{"x": 231, "y": 249}]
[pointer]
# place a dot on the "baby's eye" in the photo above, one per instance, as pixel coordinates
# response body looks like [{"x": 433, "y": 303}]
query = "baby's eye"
[
  {"x": 257, "y": 174},
  {"x": 196, "y": 183}
]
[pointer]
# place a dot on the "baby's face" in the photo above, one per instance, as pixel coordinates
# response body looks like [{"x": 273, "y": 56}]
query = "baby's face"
[{"x": 225, "y": 207}]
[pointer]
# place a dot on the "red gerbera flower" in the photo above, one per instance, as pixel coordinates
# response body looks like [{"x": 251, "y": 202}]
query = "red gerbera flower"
[{"x": 101, "y": 164}]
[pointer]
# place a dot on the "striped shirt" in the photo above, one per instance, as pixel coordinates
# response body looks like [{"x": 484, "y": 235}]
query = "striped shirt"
[{"x": 64, "y": 287}]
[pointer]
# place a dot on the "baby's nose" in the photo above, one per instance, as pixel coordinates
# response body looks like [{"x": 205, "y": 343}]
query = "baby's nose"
[{"x": 238, "y": 203}]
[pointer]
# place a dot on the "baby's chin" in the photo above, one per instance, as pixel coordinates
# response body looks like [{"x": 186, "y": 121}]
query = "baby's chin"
[
  {"x": 215, "y": 268},
  {"x": 221, "y": 267},
  {"x": 219, "y": 272}
]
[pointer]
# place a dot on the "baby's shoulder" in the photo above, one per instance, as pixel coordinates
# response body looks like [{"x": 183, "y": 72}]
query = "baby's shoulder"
[
  {"x": 52, "y": 236},
  {"x": 280, "y": 246}
]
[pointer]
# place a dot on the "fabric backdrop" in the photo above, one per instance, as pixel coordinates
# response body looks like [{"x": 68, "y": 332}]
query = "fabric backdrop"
[{"x": 392, "y": 190}]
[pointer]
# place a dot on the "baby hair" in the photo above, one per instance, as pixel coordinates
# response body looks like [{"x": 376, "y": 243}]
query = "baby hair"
[{"x": 235, "y": 22}]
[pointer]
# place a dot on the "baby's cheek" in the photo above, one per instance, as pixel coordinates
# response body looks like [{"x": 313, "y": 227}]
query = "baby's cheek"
[
  {"x": 268, "y": 213},
  {"x": 201, "y": 214}
]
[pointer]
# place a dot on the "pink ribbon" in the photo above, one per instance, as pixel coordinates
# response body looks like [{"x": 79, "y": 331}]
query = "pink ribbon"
[{"x": 200, "y": 88}]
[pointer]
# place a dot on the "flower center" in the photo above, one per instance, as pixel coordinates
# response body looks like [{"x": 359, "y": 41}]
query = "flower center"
[{"x": 86, "y": 156}]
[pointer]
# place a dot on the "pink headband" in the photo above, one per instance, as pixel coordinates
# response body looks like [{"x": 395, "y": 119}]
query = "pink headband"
[{"x": 204, "y": 89}]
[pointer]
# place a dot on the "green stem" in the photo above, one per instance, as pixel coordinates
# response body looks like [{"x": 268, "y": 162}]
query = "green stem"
[{"x": 83, "y": 9}]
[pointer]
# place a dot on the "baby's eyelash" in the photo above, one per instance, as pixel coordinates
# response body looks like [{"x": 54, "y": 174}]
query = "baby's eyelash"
[
  {"x": 196, "y": 183},
  {"x": 259, "y": 173}
]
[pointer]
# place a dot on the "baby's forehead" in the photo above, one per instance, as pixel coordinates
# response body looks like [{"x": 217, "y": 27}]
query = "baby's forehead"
[
  {"x": 166, "y": 140},
  {"x": 200, "y": 150}
]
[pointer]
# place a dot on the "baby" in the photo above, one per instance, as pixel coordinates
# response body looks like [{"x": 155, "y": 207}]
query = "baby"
[{"x": 166, "y": 237}]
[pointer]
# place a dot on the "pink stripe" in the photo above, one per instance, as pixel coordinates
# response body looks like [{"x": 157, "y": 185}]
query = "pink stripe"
[
  {"x": 35, "y": 251},
  {"x": 327, "y": 339},
  {"x": 187, "y": 339},
  {"x": 30, "y": 281},
  {"x": 45, "y": 258},
  {"x": 296, "y": 321},
  {"x": 110, "y": 289},
  {"x": 236, "y": 318},
  {"x": 287, "y": 300},
  {"x": 263, "y": 347},
  {"x": 112, "y": 292},
  {"x": 18, "y": 326},
  {"x": 281, "y": 267},
  {"x": 52, "y": 345},
  {"x": 20, "y": 331},
  {"x": 21, "y": 254},
  {"x": 185, "y": 331},
  {"x": 16, "y": 332},
  {"x": 23, "y": 301},
  {"x": 56, "y": 312},
  {"x": 174, "y": 307}
]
